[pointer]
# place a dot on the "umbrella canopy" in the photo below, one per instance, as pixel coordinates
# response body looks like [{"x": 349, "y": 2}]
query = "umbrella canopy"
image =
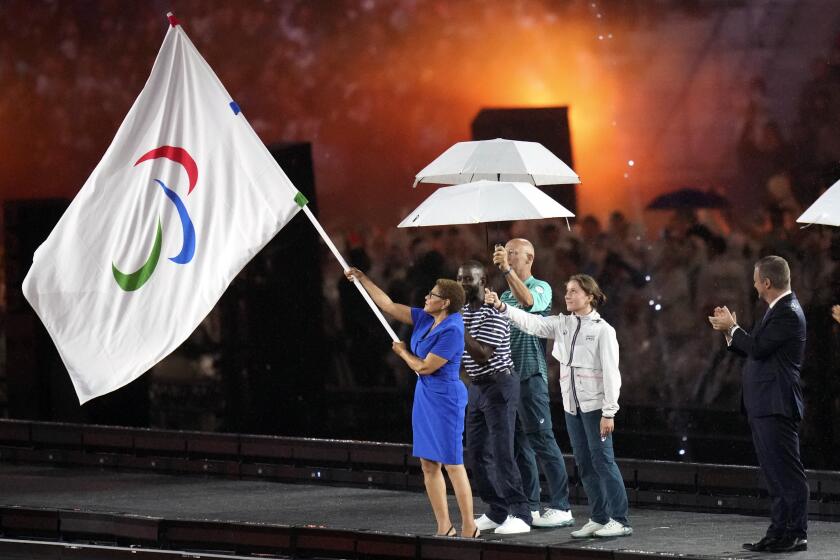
[
  {"x": 484, "y": 201},
  {"x": 497, "y": 160},
  {"x": 826, "y": 210},
  {"x": 688, "y": 199}
]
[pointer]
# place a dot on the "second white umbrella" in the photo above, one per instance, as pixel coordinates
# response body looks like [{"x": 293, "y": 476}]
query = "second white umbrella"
[
  {"x": 482, "y": 202},
  {"x": 497, "y": 160}
]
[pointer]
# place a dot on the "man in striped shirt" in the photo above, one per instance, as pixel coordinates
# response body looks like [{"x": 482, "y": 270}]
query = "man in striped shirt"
[{"x": 493, "y": 397}]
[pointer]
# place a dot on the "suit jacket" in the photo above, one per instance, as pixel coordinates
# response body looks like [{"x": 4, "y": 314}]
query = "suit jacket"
[{"x": 774, "y": 350}]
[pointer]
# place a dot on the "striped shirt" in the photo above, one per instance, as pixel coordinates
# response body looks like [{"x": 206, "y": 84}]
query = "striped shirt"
[
  {"x": 528, "y": 350},
  {"x": 487, "y": 325}
]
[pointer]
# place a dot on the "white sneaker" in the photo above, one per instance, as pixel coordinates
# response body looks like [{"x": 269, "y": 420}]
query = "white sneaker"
[
  {"x": 554, "y": 518},
  {"x": 587, "y": 530},
  {"x": 534, "y": 516},
  {"x": 613, "y": 529},
  {"x": 484, "y": 523},
  {"x": 513, "y": 526}
]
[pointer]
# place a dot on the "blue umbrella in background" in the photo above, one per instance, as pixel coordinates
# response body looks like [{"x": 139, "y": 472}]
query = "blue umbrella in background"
[{"x": 688, "y": 199}]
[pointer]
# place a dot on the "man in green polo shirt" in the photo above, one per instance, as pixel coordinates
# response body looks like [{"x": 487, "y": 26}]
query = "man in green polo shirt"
[{"x": 534, "y": 436}]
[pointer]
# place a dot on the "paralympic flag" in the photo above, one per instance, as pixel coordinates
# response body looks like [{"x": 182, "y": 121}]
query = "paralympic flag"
[{"x": 183, "y": 198}]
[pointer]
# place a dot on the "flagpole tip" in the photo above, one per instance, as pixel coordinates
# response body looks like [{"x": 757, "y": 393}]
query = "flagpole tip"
[
  {"x": 301, "y": 200},
  {"x": 173, "y": 21}
]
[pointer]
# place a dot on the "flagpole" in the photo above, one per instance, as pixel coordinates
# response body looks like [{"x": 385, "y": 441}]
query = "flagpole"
[{"x": 345, "y": 266}]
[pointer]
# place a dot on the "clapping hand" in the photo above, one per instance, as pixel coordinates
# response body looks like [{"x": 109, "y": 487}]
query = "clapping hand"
[
  {"x": 835, "y": 312},
  {"x": 723, "y": 319}
]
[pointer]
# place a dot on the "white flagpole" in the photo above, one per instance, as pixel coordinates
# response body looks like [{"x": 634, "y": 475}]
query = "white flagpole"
[{"x": 345, "y": 266}]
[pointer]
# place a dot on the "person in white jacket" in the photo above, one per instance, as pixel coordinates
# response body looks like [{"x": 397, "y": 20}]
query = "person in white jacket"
[{"x": 587, "y": 349}]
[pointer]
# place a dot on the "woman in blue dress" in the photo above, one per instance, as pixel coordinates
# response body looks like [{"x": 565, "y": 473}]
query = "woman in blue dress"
[{"x": 440, "y": 398}]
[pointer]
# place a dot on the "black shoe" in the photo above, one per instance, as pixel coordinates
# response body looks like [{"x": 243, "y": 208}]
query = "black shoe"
[
  {"x": 789, "y": 544},
  {"x": 449, "y": 533},
  {"x": 762, "y": 545}
]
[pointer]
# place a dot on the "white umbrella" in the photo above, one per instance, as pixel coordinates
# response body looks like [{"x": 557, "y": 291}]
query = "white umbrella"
[
  {"x": 497, "y": 160},
  {"x": 484, "y": 201},
  {"x": 826, "y": 210}
]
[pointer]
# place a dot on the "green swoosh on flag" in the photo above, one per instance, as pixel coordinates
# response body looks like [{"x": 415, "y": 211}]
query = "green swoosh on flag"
[{"x": 133, "y": 281}]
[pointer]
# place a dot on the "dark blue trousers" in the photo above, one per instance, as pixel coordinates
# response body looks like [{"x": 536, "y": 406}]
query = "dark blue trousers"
[
  {"x": 597, "y": 469},
  {"x": 491, "y": 417},
  {"x": 776, "y": 440},
  {"x": 534, "y": 440}
]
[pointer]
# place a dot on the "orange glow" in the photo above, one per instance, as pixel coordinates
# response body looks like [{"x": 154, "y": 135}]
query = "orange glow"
[
  {"x": 379, "y": 92},
  {"x": 551, "y": 63}
]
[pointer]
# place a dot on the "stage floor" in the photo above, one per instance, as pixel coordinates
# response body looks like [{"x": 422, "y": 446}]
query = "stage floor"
[{"x": 358, "y": 509}]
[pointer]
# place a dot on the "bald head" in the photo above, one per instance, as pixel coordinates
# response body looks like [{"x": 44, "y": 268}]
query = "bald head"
[
  {"x": 520, "y": 254},
  {"x": 523, "y": 245}
]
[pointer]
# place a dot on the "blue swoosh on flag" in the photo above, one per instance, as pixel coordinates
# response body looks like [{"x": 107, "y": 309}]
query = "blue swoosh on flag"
[{"x": 188, "y": 248}]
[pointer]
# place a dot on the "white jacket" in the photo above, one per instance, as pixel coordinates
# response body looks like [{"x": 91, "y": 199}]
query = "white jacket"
[{"x": 593, "y": 364}]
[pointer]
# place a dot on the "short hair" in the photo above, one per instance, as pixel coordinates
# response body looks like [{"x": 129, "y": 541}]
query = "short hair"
[
  {"x": 472, "y": 263},
  {"x": 590, "y": 287},
  {"x": 775, "y": 269},
  {"x": 454, "y": 292}
]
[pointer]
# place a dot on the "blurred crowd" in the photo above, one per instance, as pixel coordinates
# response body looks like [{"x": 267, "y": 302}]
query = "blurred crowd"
[{"x": 660, "y": 289}]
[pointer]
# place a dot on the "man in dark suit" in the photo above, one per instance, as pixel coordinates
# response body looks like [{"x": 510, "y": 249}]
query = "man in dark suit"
[{"x": 772, "y": 400}]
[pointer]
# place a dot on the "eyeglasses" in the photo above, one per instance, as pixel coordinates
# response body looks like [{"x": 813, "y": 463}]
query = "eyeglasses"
[{"x": 430, "y": 294}]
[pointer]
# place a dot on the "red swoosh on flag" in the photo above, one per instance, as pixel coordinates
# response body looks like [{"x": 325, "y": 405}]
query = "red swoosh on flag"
[{"x": 178, "y": 155}]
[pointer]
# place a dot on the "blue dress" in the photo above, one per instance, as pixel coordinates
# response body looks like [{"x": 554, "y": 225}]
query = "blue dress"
[{"x": 437, "y": 417}]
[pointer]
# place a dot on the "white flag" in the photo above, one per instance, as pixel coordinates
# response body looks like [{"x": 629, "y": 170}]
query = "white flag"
[{"x": 183, "y": 198}]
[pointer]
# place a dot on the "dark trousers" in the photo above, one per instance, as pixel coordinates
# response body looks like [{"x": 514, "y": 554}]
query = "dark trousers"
[
  {"x": 776, "y": 440},
  {"x": 491, "y": 415},
  {"x": 597, "y": 469},
  {"x": 534, "y": 440}
]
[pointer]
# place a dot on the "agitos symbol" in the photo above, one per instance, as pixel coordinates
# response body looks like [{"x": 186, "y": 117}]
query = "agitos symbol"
[{"x": 134, "y": 280}]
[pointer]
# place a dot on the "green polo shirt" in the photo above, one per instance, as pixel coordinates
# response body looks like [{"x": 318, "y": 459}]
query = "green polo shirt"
[{"x": 528, "y": 351}]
